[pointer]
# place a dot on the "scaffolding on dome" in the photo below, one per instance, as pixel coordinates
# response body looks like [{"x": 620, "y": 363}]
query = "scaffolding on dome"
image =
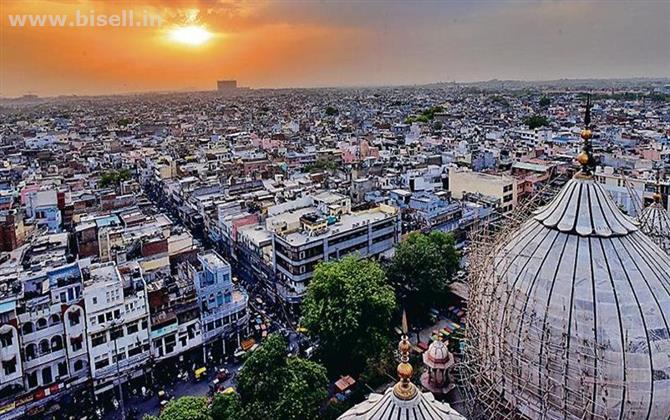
[{"x": 481, "y": 395}]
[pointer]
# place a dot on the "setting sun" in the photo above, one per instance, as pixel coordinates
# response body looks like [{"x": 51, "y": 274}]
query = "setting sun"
[{"x": 190, "y": 35}]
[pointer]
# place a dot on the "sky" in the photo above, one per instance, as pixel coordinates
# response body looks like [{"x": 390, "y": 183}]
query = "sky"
[{"x": 326, "y": 43}]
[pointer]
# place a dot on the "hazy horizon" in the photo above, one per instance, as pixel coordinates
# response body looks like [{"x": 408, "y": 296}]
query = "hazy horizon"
[{"x": 294, "y": 44}]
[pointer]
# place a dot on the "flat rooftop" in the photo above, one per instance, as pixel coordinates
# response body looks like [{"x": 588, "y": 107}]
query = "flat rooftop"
[
  {"x": 346, "y": 223},
  {"x": 213, "y": 259}
]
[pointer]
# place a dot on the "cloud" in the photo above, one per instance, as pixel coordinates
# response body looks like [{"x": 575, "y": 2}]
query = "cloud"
[{"x": 310, "y": 43}]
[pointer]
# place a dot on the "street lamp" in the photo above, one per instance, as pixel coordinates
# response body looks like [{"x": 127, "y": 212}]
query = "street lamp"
[{"x": 118, "y": 324}]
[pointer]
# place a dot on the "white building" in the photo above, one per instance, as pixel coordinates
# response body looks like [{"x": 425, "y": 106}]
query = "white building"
[{"x": 117, "y": 322}]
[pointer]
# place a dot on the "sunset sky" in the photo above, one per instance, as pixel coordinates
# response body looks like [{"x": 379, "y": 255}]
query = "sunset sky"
[{"x": 329, "y": 43}]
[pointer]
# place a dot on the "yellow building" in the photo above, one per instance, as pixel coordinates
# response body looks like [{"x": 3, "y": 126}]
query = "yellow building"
[{"x": 500, "y": 187}]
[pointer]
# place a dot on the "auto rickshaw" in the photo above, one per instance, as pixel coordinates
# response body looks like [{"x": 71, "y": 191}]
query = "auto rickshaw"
[{"x": 200, "y": 373}]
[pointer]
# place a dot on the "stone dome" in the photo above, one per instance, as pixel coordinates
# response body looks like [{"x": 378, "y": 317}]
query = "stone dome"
[
  {"x": 438, "y": 361},
  {"x": 438, "y": 356},
  {"x": 575, "y": 316},
  {"x": 387, "y": 406},
  {"x": 655, "y": 222}
]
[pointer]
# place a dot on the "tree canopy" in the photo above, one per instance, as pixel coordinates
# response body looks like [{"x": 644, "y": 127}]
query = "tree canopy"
[
  {"x": 536, "y": 121},
  {"x": 348, "y": 308},
  {"x": 545, "y": 101},
  {"x": 186, "y": 408},
  {"x": 226, "y": 407},
  {"x": 114, "y": 178},
  {"x": 421, "y": 270},
  {"x": 330, "y": 111},
  {"x": 274, "y": 386}
]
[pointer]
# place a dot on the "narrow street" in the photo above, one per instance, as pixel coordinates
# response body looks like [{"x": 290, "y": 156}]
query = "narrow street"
[{"x": 151, "y": 405}]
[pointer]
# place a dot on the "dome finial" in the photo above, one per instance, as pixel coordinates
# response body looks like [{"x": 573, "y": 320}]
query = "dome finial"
[
  {"x": 585, "y": 158},
  {"x": 657, "y": 193},
  {"x": 404, "y": 389}
]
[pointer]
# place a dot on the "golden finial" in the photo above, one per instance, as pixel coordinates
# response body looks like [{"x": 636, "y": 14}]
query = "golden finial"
[
  {"x": 404, "y": 389},
  {"x": 585, "y": 158}
]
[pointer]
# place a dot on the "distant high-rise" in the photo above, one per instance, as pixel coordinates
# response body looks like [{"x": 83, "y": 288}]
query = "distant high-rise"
[{"x": 226, "y": 85}]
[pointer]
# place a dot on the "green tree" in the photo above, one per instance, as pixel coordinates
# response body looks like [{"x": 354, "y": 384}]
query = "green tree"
[
  {"x": 114, "y": 178},
  {"x": 330, "y": 111},
  {"x": 226, "y": 407},
  {"x": 545, "y": 101},
  {"x": 421, "y": 270},
  {"x": 348, "y": 307},
  {"x": 186, "y": 408},
  {"x": 536, "y": 121},
  {"x": 274, "y": 386}
]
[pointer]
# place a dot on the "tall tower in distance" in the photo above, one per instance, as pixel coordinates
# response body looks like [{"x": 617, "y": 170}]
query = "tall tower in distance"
[{"x": 226, "y": 86}]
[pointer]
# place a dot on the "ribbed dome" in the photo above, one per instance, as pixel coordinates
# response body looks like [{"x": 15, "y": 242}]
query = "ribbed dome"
[
  {"x": 655, "y": 222},
  {"x": 575, "y": 315},
  {"x": 438, "y": 356},
  {"x": 386, "y": 407}
]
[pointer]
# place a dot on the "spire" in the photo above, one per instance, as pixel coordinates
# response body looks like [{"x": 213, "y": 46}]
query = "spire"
[
  {"x": 657, "y": 193},
  {"x": 404, "y": 389},
  {"x": 585, "y": 158}
]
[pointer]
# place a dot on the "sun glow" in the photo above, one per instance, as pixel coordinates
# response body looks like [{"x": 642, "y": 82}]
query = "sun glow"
[{"x": 190, "y": 35}]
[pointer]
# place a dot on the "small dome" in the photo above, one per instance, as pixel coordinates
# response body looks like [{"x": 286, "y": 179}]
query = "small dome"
[
  {"x": 403, "y": 400},
  {"x": 655, "y": 223},
  {"x": 387, "y": 406},
  {"x": 438, "y": 356}
]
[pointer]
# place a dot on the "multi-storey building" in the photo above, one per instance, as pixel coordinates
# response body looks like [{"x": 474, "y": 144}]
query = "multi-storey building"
[
  {"x": 175, "y": 315},
  {"x": 298, "y": 248},
  {"x": 223, "y": 306},
  {"x": 501, "y": 187},
  {"x": 117, "y": 324}
]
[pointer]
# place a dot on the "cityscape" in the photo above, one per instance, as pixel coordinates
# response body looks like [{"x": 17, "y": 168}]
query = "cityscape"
[{"x": 209, "y": 241}]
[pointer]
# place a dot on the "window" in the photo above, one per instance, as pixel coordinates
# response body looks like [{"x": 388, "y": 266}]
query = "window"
[
  {"x": 101, "y": 363},
  {"x": 9, "y": 366},
  {"x": 99, "y": 339},
  {"x": 74, "y": 318},
  {"x": 116, "y": 333},
  {"x": 6, "y": 339},
  {"x": 95, "y": 300},
  {"x": 54, "y": 319},
  {"x": 118, "y": 357},
  {"x": 56, "y": 343},
  {"x": 76, "y": 344},
  {"x": 131, "y": 328},
  {"x": 78, "y": 365},
  {"x": 134, "y": 351},
  {"x": 108, "y": 316},
  {"x": 31, "y": 350},
  {"x": 41, "y": 323},
  {"x": 32, "y": 379},
  {"x": 63, "y": 297},
  {"x": 28, "y": 328},
  {"x": 44, "y": 347},
  {"x": 144, "y": 324},
  {"x": 46, "y": 375},
  {"x": 62, "y": 369},
  {"x": 101, "y": 319}
]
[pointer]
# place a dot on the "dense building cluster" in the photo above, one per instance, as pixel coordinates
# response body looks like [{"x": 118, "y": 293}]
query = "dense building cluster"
[{"x": 135, "y": 230}]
